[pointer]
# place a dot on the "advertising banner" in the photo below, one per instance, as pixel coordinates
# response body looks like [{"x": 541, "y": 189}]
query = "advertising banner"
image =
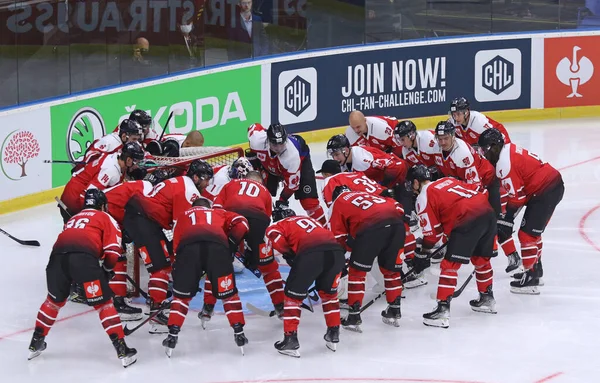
[
  {"x": 415, "y": 81},
  {"x": 221, "y": 104},
  {"x": 24, "y": 145},
  {"x": 571, "y": 71}
]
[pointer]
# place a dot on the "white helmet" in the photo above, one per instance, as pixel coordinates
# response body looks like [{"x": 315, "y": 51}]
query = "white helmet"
[{"x": 240, "y": 168}]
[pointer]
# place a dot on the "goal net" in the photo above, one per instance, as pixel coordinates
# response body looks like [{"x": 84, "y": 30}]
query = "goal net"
[{"x": 215, "y": 156}]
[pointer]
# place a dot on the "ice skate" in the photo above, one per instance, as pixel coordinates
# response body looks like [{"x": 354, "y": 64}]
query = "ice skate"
[
  {"x": 353, "y": 321},
  {"x": 171, "y": 340},
  {"x": 514, "y": 261},
  {"x": 440, "y": 317},
  {"x": 37, "y": 344},
  {"x": 207, "y": 312},
  {"x": 540, "y": 273},
  {"x": 332, "y": 337},
  {"x": 239, "y": 337},
  {"x": 158, "y": 324},
  {"x": 289, "y": 345},
  {"x": 528, "y": 284},
  {"x": 412, "y": 280},
  {"x": 127, "y": 312},
  {"x": 486, "y": 302},
  {"x": 126, "y": 355},
  {"x": 391, "y": 315}
]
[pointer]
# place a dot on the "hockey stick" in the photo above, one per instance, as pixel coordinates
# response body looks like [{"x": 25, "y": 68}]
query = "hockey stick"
[
  {"x": 65, "y": 162},
  {"x": 62, "y": 206},
  {"x": 270, "y": 314},
  {"x": 176, "y": 112},
  {"x": 127, "y": 331},
  {"x": 137, "y": 287},
  {"x": 24, "y": 242}
]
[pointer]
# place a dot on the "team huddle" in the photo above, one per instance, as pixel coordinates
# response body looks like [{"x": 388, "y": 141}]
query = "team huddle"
[{"x": 462, "y": 183}]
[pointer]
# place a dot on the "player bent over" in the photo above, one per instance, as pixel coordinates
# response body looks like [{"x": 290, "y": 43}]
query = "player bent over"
[
  {"x": 146, "y": 216},
  {"x": 371, "y": 227},
  {"x": 314, "y": 255},
  {"x": 89, "y": 236},
  {"x": 452, "y": 208},
  {"x": 202, "y": 237},
  {"x": 529, "y": 182},
  {"x": 246, "y": 195}
]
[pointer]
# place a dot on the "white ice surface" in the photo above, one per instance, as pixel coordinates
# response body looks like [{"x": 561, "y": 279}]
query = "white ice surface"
[{"x": 552, "y": 337}]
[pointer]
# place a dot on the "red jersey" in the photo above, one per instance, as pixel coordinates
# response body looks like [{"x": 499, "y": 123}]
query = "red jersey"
[
  {"x": 445, "y": 204},
  {"x": 523, "y": 174},
  {"x": 380, "y": 133},
  {"x": 246, "y": 197},
  {"x": 212, "y": 225},
  {"x": 93, "y": 232},
  {"x": 464, "y": 163},
  {"x": 477, "y": 123},
  {"x": 286, "y": 164},
  {"x": 168, "y": 200},
  {"x": 355, "y": 212},
  {"x": 119, "y": 195},
  {"x": 355, "y": 181},
  {"x": 102, "y": 173},
  {"x": 297, "y": 235},
  {"x": 387, "y": 169},
  {"x": 425, "y": 151}
]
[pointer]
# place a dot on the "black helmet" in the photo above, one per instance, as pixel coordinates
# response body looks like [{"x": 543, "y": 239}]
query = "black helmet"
[
  {"x": 130, "y": 127},
  {"x": 95, "y": 199},
  {"x": 276, "y": 134},
  {"x": 339, "y": 190},
  {"x": 170, "y": 148},
  {"x": 337, "y": 142},
  {"x": 404, "y": 128},
  {"x": 281, "y": 212},
  {"x": 132, "y": 150},
  {"x": 154, "y": 147},
  {"x": 141, "y": 117},
  {"x": 444, "y": 127},
  {"x": 201, "y": 169},
  {"x": 418, "y": 172},
  {"x": 490, "y": 137},
  {"x": 459, "y": 104}
]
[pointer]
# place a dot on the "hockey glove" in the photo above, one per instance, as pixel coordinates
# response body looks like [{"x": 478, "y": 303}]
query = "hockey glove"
[
  {"x": 138, "y": 173},
  {"x": 253, "y": 159},
  {"x": 420, "y": 264},
  {"x": 505, "y": 228}
]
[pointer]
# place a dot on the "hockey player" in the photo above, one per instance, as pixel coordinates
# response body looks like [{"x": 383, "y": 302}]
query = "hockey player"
[
  {"x": 357, "y": 181},
  {"x": 452, "y": 209},
  {"x": 225, "y": 173},
  {"x": 106, "y": 171},
  {"x": 314, "y": 256},
  {"x": 202, "y": 238},
  {"x": 529, "y": 182},
  {"x": 371, "y": 227},
  {"x": 458, "y": 159},
  {"x": 470, "y": 124},
  {"x": 387, "y": 169},
  {"x": 117, "y": 197},
  {"x": 146, "y": 216},
  {"x": 285, "y": 158},
  {"x": 145, "y": 121},
  {"x": 128, "y": 131},
  {"x": 246, "y": 195},
  {"x": 375, "y": 131},
  {"x": 417, "y": 147},
  {"x": 88, "y": 237}
]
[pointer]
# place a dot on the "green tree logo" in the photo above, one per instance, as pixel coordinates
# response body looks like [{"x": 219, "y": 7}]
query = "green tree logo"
[{"x": 85, "y": 127}]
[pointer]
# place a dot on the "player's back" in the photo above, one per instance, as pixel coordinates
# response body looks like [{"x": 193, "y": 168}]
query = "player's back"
[
  {"x": 355, "y": 181},
  {"x": 362, "y": 211},
  {"x": 452, "y": 202},
  {"x": 119, "y": 195},
  {"x": 88, "y": 232},
  {"x": 203, "y": 224},
  {"x": 246, "y": 197},
  {"x": 304, "y": 234}
]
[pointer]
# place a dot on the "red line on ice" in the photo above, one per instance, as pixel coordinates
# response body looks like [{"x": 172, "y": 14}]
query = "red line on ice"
[
  {"x": 58, "y": 320},
  {"x": 549, "y": 377},
  {"x": 579, "y": 163},
  {"x": 582, "y": 227}
]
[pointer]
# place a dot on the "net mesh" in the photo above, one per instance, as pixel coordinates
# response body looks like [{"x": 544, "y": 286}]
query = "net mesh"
[{"x": 215, "y": 156}]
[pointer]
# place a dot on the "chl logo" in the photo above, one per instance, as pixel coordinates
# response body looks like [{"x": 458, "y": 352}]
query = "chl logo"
[
  {"x": 297, "y": 96},
  {"x": 498, "y": 75}
]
